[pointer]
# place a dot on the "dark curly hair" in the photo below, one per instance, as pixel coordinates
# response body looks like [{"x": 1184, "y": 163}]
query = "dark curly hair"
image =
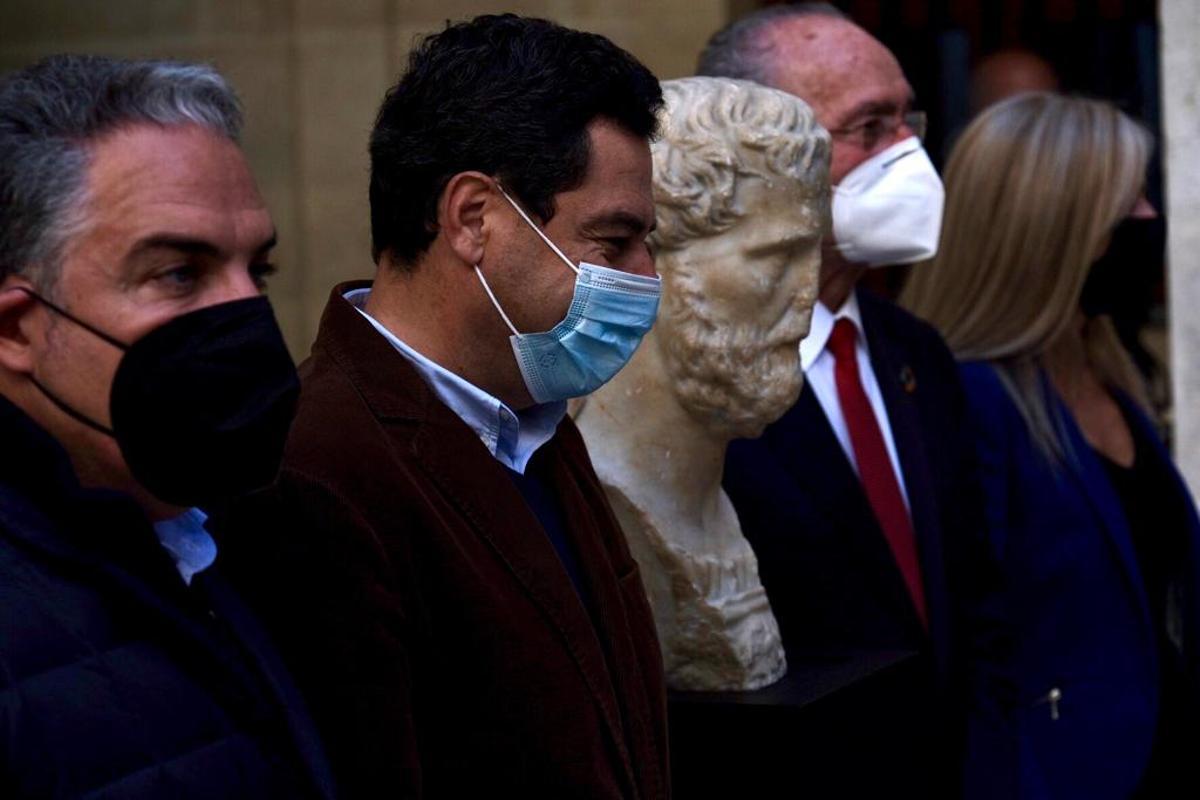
[{"x": 508, "y": 96}]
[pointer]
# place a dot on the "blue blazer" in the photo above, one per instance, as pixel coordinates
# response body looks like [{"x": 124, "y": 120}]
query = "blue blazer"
[{"x": 1074, "y": 594}]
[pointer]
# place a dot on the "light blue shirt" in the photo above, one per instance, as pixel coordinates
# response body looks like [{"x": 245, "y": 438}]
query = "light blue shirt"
[
  {"x": 185, "y": 538},
  {"x": 512, "y": 437}
]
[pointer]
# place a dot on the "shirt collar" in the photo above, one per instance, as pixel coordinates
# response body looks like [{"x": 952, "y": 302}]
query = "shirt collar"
[
  {"x": 188, "y": 542},
  {"x": 512, "y": 437},
  {"x": 821, "y": 326}
]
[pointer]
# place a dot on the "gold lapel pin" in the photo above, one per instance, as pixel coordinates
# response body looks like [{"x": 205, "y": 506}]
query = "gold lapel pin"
[{"x": 908, "y": 379}]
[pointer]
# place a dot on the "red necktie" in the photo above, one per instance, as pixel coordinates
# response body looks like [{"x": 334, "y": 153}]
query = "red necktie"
[{"x": 874, "y": 467}]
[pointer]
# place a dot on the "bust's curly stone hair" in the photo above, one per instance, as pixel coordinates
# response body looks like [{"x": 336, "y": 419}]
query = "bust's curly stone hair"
[{"x": 714, "y": 132}]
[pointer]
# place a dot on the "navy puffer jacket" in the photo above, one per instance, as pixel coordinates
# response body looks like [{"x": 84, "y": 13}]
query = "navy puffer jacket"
[{"x": 116, "y": 679}]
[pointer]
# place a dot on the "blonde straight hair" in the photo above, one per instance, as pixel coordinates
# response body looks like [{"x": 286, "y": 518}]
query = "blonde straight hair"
[{"x": 1034, "y": 188}]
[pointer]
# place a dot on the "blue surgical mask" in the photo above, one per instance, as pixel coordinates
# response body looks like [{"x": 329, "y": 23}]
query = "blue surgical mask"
[{"x": 609, "y": 314}]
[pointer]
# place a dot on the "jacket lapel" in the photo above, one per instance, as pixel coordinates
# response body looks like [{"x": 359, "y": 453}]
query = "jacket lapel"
[
  {"x": 805, "y": 443},
  {"x": 1086, "y": 470},
  {"x": 1190, "y": 599},
  {"x": 584, "y": 506},
  {"x": 514, "y": 534},
  {"x": 899, "y": 385}
]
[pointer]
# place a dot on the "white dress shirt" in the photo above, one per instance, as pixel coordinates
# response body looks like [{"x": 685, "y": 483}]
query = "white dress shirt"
[
  {"x": 512, "y": 437},
  {"x": 818, "y": 365}
]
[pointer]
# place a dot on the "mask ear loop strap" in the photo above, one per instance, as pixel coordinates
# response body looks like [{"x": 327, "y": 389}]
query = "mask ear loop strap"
[
  {"x": 495, "y": 302},
  {"x": 537, "y": 230},
  {"x": 64, "y": 313},
  {"x": 61, "y": 404},
  {"x": 74, "y": 414}
]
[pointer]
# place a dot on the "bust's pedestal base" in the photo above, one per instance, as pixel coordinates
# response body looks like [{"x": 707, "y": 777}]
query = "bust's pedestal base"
[{"x": 858, "y": 725}]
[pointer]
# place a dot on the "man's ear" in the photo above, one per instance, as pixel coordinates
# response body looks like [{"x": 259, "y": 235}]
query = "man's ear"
[
  {"x": 16, "y": 307},
  {"x": 462, "y": 214}
]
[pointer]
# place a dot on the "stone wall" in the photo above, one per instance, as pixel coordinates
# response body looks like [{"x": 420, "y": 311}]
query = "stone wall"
[
  {"x": 1180, "y": 70},
  {"x": 311, "y": 74}
]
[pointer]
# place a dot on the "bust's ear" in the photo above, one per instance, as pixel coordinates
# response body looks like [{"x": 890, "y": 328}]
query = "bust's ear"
[
  {"x": 17, "y": 309},
  {"x": 462, "y": 214}
]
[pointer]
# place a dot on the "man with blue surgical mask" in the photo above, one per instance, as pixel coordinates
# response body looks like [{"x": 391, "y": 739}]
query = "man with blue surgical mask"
[
  {"x": 448, "y": 581},
  {"x": 861, "y": 502}
]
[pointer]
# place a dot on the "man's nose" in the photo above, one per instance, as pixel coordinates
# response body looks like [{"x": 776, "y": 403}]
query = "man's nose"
[
  {"x": 1143, "y": 209},
  {"x": 643, "y": 264}
]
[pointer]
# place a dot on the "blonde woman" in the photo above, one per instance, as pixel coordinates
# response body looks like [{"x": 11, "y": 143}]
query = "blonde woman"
[{"x": 1088, "y": 520}]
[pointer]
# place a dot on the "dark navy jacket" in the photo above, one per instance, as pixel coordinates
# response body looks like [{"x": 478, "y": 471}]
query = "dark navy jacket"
[
  {"x": 1078, "y": 602},
  {"x": 827, "y": 569},
  {"x": 825, "y": 564},
  {"x": 116, "y": 679}
]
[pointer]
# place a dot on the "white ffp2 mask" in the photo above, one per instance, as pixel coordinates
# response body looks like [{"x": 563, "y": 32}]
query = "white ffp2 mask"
[{"x": 888, "y": 209}]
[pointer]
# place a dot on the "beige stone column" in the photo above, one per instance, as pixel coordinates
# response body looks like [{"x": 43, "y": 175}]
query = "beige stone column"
[{"x": 1180, "y": 61}]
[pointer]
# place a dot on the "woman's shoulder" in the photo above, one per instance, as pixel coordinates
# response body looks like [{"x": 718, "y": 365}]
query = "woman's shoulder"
[
  {"x": 982, "y": 381},
  {"x": 989, "y": 400}
]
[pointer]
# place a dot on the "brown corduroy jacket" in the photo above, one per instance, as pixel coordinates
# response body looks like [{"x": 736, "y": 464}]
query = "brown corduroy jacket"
[{"x": 422, "y": 608}]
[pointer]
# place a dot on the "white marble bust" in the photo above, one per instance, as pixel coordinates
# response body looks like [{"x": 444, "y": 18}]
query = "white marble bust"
[{"x": 742, "y": 194}]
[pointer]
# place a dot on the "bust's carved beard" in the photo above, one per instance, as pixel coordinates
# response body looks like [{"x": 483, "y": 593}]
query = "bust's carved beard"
[{"x": 735, "y": 380}]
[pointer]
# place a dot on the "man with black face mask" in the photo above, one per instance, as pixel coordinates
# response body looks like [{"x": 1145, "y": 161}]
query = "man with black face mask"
[{"x": 142, "y": 377}]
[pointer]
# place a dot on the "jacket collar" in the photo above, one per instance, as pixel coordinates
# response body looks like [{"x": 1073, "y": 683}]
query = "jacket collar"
[
  {"x": 43, "y": 507},
  {"x": 512, "y": 437},
  {"x": 47, "y": 506},
  {"x": 821, "y": 327},
  {"x": 380, "y": 376},
  {"x": 34, "y": 462}
]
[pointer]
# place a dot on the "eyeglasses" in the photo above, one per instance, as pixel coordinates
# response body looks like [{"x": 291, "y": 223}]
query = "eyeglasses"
[{"x": 873, "y": 130}]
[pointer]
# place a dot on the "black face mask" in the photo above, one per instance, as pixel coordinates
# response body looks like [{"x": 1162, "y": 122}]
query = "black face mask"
[
  {"x": 201, "y": 405},
  {"x": 1121, "y": 282}
]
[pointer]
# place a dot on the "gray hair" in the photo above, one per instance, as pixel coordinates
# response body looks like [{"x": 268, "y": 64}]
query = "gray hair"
[
  {"x": 738, "y": 50},
  {"x": 716, "y": 131},
  {"x": 52, "y": 110}
]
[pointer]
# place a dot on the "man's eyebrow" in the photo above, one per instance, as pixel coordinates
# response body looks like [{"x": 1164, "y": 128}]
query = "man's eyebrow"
[
  {"x": 190, "y": 245},
  {"x": 876, "y": 108},
  {"x": 183, "y": 244},
  {"x": 871, "y": 108},
  {"x": 633, "y": 223}
]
